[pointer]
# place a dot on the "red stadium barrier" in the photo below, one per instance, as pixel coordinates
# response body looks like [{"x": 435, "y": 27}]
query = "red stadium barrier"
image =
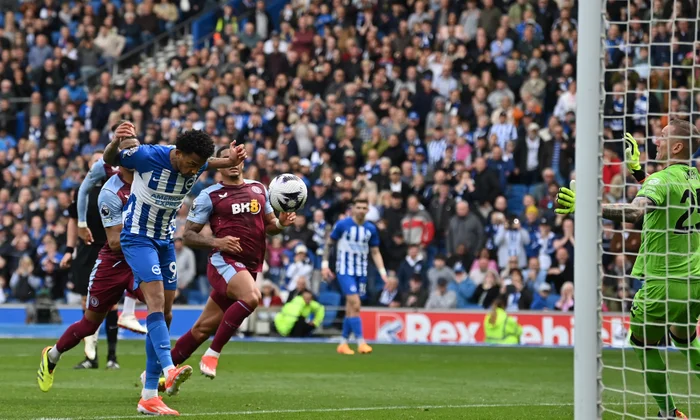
[{"x": 539, "y": 328}]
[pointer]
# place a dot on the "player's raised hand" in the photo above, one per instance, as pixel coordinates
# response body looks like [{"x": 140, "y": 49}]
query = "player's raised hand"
[
  {"x": 66, "y": 261},
  {"x": 238, "y": 154},
  {"x": 125, "y": 130},
  {"x": 229, "y": 244},
  {"x": 327, "y": 274},
  {"x": 632, "y": 153},
  {"x": 566, "y": 198},
  {"x": 287, "y": 219},
  {"x": 86, "y": 235}
]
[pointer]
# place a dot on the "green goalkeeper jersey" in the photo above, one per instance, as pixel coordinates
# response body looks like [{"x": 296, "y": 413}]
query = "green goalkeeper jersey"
[{"x": 670, "y": 246}]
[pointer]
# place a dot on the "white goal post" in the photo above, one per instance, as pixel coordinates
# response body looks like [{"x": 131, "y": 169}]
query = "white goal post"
[{"x": 587, "y": 269}]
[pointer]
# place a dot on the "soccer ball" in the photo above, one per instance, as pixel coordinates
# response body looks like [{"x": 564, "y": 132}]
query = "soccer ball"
[{"x": 287, "y": 193}]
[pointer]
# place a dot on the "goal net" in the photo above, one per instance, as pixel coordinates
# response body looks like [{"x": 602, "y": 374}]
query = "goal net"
[{"x": 650, "y": 75}]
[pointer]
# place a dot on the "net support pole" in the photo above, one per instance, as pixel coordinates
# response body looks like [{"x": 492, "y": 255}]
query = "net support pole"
[{"x": 586, "y": 276}]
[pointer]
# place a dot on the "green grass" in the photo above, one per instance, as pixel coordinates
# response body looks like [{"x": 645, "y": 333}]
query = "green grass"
[{"x": 310, "y": 381}]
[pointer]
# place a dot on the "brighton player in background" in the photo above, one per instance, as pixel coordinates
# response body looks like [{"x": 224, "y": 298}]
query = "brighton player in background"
[
  {"x": 163, "y": 176},
  {"x": 355, "y": 240},
  {"x": 239, "y": 213},
  {"x": 110, "y": 277},
  {"x": 669, "y": 258}
]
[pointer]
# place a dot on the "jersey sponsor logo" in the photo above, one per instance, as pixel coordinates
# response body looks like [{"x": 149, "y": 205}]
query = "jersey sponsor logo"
[
  {"x": 156, "y": 270},
  {"x": 223, "y": 195},
  {"x": 115, "y": 168},
  {"x": 155, "y": 178},
  {"x": 654, "y": 181},
  {"x": 239, "y": 265},
  {"x": 104, "y": 210},
  {"x": 256, "y": 189},
  {"x": 94, "y": 302},
  {"x": 252, "y": 207},
  {"x": 190, "y": 183},
  {"x": 130, "y": 151}
]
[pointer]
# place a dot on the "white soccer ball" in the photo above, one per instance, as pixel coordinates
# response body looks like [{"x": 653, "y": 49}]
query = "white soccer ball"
[{"x": 287, "y": 193}]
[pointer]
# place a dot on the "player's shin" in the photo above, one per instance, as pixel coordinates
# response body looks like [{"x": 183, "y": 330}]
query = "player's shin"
[
  {"x": 654, "y": 368},
  {"x": 160, "y": 338},
  {"x": 71, "y": 337},
  {"x": 690, "y": 347},
  {"x": 233, "y": 317},
  {"x": 112, "y": 332},
  {"x": 150, "y": 386},
  {"x": 185, "y": 346}
]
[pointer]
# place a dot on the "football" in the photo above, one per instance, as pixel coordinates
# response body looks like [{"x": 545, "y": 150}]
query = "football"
[{"x": 287, "y": 193}]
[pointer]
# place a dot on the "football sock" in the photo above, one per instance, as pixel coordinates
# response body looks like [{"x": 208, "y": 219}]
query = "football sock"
[
  {"x": 54, "y": 355},
  {"x": 347, "y": 329},
  {"x": 184, "y": 347},
  {"x": 160, "y": 338},
  {"x": 233, "y": 317},
  {"x": 152, "y": 371},
  {"x": 356, "y": 327},
  {"x": 212, "y": 353},
  {"x": 129, "y": 306},
  {"x": 654, "y": 368},
  {"x": 76, "y": 332},
  {"x": 690, "y": 349},
  {"x": 112, "y": 332}
]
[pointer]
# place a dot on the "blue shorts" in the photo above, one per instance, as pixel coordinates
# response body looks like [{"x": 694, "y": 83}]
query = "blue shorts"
[
  {"x": 353, "y": 285},
  {"x": 150, "y": 259}
]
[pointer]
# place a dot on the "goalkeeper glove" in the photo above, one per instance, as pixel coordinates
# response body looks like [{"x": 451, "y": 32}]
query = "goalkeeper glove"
[
  {"x": 566, "y": 198},
  {"x": 632, "y": 158}
]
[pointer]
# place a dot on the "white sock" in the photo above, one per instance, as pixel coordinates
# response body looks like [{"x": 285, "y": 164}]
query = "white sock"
[
  {"x": 343, "y": 340},
  {"x": 129, "y": 306},
  {"x": 166, "y": 371},
  {"x": 147, "y": 394},
  {"x": 361, "y": 341},
  {"x": 54, "y": 355},
  {"x": 211, "y": 352}
]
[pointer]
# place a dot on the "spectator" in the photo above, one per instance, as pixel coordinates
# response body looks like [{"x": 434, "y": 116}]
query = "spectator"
[
  {"x": 540, "y": 300},
  {"x": 24, "y": 283},
  {"x": 511, "y": 240},
  {"x": 186, "y": 265},
  {"x": 110, "y": 43},
  {"x": 439, "y": 270},
  {"x": 566, "y": 300},
  {"x": 545, "y": 244},
  {"x": 488, "y": 291},
  {"x": 416, "y": 296},
  {"x": 534, "y": 275},
  {"x": 464, "y": 229},
  {"x": 518, "y": 295},
  {"x": 270, "y": 295},
  {"x": 418, "y": 227},
  {"x": 299, "y": 268},
  {"x": 294, "y": 320},
  {"x": 389, "y": 296},
  {"x": 440, "y": 297},
  {"x": 562, "y": 271},
  {"x": 412, "y": 265}
]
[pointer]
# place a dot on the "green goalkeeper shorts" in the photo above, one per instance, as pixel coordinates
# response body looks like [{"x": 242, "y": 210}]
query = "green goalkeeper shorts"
[{"x": 660, "y": 304}]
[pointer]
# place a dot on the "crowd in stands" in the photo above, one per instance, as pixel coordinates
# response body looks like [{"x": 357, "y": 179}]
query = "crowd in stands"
[{"x": 455, "y": 118}]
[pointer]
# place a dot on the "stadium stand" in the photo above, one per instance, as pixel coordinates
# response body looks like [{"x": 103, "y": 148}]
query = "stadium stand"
[{"x": 421, "y": 105}]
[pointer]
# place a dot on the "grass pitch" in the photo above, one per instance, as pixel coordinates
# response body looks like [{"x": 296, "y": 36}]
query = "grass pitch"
[{"x": 310, "y": 381}]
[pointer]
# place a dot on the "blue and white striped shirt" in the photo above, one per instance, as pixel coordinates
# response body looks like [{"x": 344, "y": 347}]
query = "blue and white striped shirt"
[
  {"x": 157, "y": 191},
  {"x": 353, "y": 242}
]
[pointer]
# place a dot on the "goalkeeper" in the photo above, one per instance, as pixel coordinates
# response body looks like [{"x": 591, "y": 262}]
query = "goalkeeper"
[{"x": 669, "y": 256}]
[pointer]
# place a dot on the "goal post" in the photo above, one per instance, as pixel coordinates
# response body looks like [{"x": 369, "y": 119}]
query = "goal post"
[{"x": 587, "y": 264}]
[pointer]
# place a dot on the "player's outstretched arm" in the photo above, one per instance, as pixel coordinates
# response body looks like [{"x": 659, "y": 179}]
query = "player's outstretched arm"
[
  {"x": 632, "y": 158},
  {"x": 628, "y": 212},
  {"x": 194, "y": 239},
  {"x": 238, "y": 155}
]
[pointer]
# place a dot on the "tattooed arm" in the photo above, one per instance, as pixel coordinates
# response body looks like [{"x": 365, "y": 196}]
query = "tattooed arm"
[{"x": 628, "y": 212}]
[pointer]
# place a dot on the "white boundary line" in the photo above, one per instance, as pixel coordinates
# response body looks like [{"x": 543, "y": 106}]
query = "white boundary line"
[{"x": 339, "y": 410}]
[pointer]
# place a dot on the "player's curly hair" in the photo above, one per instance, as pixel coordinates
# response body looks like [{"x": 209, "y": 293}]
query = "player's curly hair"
[{"x": 197, "y": 142}]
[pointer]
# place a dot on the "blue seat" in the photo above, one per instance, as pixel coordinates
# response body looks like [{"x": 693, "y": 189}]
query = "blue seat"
[
  {"x": 323, "y": 287},
  {"x": 21, "y": 124},
  {"x": 329, "y": 299}
]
